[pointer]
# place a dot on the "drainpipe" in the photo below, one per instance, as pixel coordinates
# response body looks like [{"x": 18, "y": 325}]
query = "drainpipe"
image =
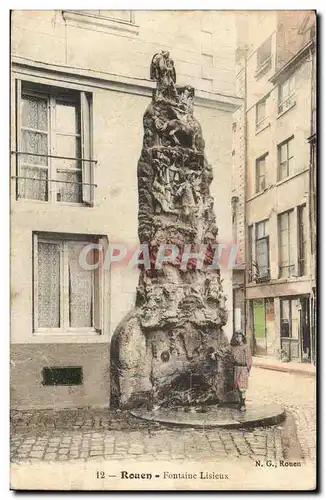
[
  {"x": 245, "y": 196},
  {"x": 312, "y": 166},
  {"x": 311, "y": 155}
]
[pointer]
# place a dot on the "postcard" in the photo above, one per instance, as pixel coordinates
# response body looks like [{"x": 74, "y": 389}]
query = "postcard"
[{"x": 163, "y": 250}]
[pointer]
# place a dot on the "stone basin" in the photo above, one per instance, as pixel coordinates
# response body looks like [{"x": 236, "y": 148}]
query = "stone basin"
[{"x": 256, "y": 415}]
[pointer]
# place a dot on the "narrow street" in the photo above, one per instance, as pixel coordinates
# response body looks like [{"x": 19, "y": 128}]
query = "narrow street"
[
  {"x": 93, "y": 434},
  {"x": 297, "y": 394}
]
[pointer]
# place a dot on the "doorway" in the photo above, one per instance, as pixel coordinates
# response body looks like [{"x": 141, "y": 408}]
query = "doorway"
[
  {"x": 305, "y": 330},
  {"x": 295, "y": 328},
  {"x": 263, "y": 315}
]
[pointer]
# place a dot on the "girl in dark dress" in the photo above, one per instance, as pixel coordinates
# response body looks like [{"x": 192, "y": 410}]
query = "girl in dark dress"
[{"x": 242, "y": 361}]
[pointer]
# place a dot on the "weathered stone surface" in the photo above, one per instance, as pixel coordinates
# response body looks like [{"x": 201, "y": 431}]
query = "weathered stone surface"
[{"x": 161, "y": 352}]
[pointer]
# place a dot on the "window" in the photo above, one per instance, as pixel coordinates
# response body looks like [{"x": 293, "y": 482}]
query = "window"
[
  {"x": 258, "y": 251},
  {"x": 67, "y": 297},
  {"x": 286, "y": 94},
  {"x": 290, "y": 327},
  {"x": 119, "y": 15},
  {"x": 303, "y": 240},
  {"x": 106, "y": 21},
  {"x": 261, "y": 114},
  {"x": 53, "y": 144},
  {"x": 262, "y": 229},
  {"x": 62, "y": 376},
  {"x": 290, "y": 318},
  {"x": 261, "y": 173},
  {"x": 264, "y": 56},
  {"x": 287, "y": 244},
  {"x": 286, "y": 164},
  {"x": 262, "y": 251}
]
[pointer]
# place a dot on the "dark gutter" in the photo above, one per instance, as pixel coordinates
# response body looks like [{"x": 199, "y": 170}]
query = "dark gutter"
[{"x": 312, "y": 138}]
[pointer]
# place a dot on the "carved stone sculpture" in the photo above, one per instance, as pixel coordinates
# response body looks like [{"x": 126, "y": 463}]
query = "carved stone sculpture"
[
  {"x": 161, "y": 352},
  {"x": 162, "y": 70}
]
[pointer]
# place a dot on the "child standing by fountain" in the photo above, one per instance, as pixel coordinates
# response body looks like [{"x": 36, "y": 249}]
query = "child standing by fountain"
[{"x": 242, "y": 362}]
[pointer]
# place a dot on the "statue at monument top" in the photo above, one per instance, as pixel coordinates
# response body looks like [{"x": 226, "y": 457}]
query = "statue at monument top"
[{"x": 162, "y": 70}]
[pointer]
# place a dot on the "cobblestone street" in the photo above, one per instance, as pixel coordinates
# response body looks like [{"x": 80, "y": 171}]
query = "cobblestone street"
[
  {"x": 93, "y": 434},
  {"x": 295, "y": 392}
]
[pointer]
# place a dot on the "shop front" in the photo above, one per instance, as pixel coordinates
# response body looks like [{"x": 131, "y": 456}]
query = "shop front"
[
  {"x": 282, "y": 328},
  {"x": 295, "y": 331}
]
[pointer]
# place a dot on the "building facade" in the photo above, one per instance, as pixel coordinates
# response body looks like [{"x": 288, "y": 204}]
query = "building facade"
[
  {"x": 274, "y": 152},
  {"x": 80, "y": 85}
]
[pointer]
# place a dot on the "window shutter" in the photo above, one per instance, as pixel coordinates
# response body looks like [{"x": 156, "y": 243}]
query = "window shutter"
[
  {"x": 99, "y": 287},
  {"x": 18, "y": 133},
  {"x": 35, "y": 283},
  {"x": 87, "y": 166}
]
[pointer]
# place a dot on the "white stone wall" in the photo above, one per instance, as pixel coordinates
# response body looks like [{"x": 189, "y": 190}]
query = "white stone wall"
[{"x": 201, "y": 43}]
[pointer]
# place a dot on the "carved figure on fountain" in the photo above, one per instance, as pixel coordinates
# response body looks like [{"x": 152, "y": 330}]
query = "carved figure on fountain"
[{"x": 163, "y": 71}]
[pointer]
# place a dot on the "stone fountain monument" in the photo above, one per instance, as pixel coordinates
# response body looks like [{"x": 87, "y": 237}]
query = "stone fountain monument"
[{"x": 161, "y": 352}]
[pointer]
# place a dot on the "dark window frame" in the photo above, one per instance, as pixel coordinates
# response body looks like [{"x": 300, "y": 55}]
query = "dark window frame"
[
  {"x": 260, "y": 123},
  {"x": 56, "y": 95},
  {"x": 264, "y": 57},
  {"x": 287, "y": 161},
  {"x": 98, "y": 286},
  {"x": 288, "y": 322},
  {"x": 262, "y": 272},
  {"x": 289, "y": 266},
  {"x": 289, "y": 299},
  {"x": 302, "y": 243},
  {"x": 259, "y": 161},
  {"x": 264, "y": 52},
  {"x": 285, "y": 103}
]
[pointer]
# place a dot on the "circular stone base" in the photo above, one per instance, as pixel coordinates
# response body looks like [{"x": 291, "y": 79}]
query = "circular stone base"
[{"x": 256, "y": 414}]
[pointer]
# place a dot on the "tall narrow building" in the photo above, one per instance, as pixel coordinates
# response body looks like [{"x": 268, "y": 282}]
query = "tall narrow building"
[{"x": 275, "y": 172}]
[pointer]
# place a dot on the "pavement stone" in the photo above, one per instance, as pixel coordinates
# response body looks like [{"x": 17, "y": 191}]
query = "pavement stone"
[
  {"x": 297, "y": 393},
  {"x": 87, "y": 434}
]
